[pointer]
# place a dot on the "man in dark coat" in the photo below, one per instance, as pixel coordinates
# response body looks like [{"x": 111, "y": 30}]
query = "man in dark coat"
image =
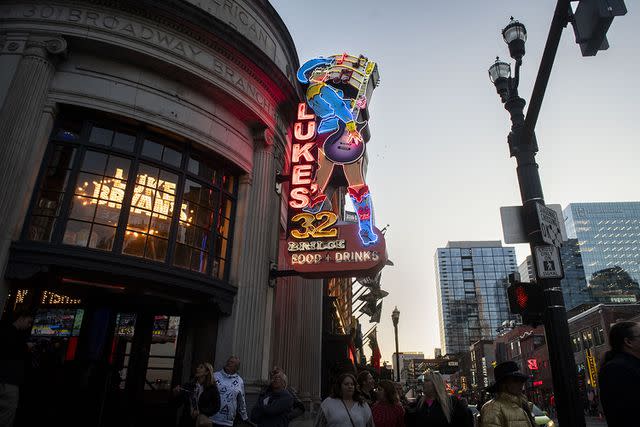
[
  {"x": 274, "y": 404},
  {"x": 620, "y": 374},
  {"x": 13, "y": 356}
]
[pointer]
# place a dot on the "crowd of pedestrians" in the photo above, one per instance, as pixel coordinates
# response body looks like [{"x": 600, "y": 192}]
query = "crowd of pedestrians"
[
  {"x": 217, "y": 398},
  {"x": 365, "y": 402}
]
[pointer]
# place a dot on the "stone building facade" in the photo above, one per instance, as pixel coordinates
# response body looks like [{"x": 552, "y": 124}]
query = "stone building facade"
[{"x": 140, "y": 215}]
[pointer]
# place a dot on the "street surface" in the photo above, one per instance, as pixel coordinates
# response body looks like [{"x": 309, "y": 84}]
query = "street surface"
[
  {"x": 591, "y": 422},
  {"x": 595, "y": 422}
]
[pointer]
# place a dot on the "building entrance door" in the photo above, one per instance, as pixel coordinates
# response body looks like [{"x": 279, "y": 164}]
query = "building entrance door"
[
  {"x": 101, "y": 366},
  {"x": 142, "y": 357}
]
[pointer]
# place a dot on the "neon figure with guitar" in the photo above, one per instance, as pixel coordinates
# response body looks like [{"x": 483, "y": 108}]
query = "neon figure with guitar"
[{"x": 340, "y": 139}]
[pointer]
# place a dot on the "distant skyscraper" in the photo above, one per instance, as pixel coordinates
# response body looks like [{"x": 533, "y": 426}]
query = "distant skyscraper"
[
  {"x": 574, "y": 285},
  {"x": 471, "y": 280},
  {"x": 526, "y": 270},
  {"x": 608, "y": 238}
]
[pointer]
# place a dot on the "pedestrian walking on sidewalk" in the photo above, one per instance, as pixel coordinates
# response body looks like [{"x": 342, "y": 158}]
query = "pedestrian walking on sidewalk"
[
  {"x": 298, "y": 408},
  {"x": 14, "y": 354},
  {"x": 201, "y": 397},
  {"x": 367, "y": 385},
  {"x": 436, "y": 408},
  {"x": 387, "y": 411},
  {"x": 510, "y": 408},
  {"x": 231, "y": 388},
  {"x": 274, "y": 404},
  {"x": 345, "y": 407},
  {"x": 620, "y": 374}
]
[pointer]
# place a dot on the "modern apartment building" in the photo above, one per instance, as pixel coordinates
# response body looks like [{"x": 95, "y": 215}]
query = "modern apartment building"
[
  {"x": 607, "y": 246},
  {"x": 471, "y": 280}
]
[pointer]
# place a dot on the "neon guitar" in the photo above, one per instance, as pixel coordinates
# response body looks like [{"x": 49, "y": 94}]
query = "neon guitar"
[{"x": 340, "y": 147}]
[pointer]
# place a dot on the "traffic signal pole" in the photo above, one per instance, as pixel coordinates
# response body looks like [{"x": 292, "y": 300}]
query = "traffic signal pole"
[{"x": 523, "y": 146}]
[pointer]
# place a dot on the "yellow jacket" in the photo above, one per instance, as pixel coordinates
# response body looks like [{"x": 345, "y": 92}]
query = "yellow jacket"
[{"x": 506, "y": 410}]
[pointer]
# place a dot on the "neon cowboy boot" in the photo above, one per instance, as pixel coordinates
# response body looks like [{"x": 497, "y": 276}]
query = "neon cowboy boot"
[
  {"x": 361, "y": 199},
  {"x": 319, "y": 202}
]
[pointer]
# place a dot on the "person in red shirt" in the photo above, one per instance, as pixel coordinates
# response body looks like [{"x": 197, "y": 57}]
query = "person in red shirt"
[{"x": 387, "y": 411}]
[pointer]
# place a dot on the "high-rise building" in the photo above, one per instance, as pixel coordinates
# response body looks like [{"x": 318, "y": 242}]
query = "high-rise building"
[
  {"x": 471, "y": 280},
  {"x": 608, "y": 241},
  {"x": 574, "y": 284},
  {"x": 527, "y": 271},
  {"x": 403, "y": 360}
]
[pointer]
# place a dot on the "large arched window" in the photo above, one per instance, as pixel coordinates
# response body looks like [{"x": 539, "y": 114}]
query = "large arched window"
[{"x": 129, "y": 190}]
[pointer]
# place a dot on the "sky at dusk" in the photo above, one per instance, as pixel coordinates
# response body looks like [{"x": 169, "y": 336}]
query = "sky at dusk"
[{"x": 439, "y": 166}]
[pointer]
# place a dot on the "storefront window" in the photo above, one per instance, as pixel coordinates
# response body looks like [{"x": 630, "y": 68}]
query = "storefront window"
[
  {"x": 99, "y": 192},
  {"x": 51, "y": 191},
  {"x": 128, "y": 191},
  {"x": 151, "y": 213},
  {"x": 162, "y": 352}
]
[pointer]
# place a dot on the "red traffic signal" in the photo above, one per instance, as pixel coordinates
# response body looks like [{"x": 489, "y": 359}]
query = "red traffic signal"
[
  {"x": 527, "y": 300},
  {"x": 522, "y": 299}
]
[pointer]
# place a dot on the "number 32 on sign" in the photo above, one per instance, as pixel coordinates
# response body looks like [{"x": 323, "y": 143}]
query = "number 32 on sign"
[{"x": 315, "y": 226}]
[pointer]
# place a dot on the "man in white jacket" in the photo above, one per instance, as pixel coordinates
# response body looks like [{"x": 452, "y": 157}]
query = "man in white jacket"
[{"x": 231, "y": 388}]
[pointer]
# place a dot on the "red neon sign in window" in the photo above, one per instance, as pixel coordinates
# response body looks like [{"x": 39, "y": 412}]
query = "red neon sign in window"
[
  {"x": 532, "y": 364},
  {"x": 537, "y": 383}
]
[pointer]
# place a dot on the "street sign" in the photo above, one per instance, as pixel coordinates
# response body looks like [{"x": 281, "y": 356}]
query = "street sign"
[
  {"x": 593, "y": 371},
  {"x": 549, "y": 225},
  {"x": 513, "y": 225},
  {"x": 548, "y": 264}
]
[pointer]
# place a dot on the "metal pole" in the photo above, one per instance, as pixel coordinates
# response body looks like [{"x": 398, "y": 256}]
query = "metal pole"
[
  {"x": 563, "y": 369},
  {"x": 395, "y": 328},
  {"x": 523, "y": 147},
  {"x": 559, "y": 21}
]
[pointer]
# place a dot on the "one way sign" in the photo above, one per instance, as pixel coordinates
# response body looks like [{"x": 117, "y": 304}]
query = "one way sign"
[{"x": 549, "y": 225}]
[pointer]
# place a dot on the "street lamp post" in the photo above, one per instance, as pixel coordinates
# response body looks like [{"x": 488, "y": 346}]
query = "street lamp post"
[
  {"x": 395, "y": 316},
  {"x": 523, "y": 146}
]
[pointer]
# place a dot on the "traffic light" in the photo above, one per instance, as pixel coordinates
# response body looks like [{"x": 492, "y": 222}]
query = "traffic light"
[
  {"x": 525, "y": 299},
  {"x": 591, "y": 22}
]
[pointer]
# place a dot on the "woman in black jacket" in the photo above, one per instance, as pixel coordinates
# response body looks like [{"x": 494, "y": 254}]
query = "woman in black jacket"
[{"x": 201, "y": 397}]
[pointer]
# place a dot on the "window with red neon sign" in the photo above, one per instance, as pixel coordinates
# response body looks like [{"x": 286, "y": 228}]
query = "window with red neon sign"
[{"x": 532, "y": 364}]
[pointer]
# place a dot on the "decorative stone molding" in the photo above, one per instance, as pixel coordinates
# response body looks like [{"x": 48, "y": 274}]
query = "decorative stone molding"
[
  {"x": 263, "y": 138},
  {"x": 246, "y": 179},
  {"x": 192, "y": 48},
  {"x": 47, "y": 47},
  {"x": 12, "y": 43}
]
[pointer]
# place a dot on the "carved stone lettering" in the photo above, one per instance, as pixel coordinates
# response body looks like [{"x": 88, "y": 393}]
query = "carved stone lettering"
[
  {"x": 247, "y": 22},
  {"x": 131, "y": 28}
]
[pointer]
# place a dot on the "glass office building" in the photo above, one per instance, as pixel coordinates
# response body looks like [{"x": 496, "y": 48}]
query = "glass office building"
[
  {"x": 574, "y": 284},
  {"x": 608, "y": 238},
  {"x": 471, "y": 280}
]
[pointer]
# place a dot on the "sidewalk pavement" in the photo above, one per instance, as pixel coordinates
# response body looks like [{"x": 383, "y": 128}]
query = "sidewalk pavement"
[
  {"x": 302, "y": 422},
  {"x": 595, "y": 422},
  {"x": 308, "y": 422}
]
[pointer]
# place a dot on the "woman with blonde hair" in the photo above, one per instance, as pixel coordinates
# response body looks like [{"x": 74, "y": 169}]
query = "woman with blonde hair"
[
  {"x": 436, "y": 408},
  {"x": 201, "y": 397}
]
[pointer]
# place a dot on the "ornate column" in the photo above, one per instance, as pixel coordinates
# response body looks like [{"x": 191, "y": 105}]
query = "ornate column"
[
  {"x": 297, "y": 334},
  {"x": 252, "y": 311},
  {"x": 25, "y": 123}
]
